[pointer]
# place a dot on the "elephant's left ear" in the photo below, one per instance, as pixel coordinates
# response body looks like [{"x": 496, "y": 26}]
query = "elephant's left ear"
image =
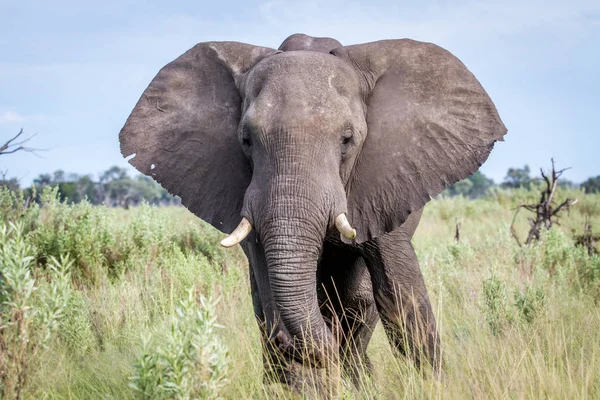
[
  {"x": 430, "y": 124},
  {"x": 183, "y": 130}
]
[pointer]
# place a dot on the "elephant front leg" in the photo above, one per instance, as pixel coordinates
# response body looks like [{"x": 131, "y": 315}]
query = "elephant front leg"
[
  {"x": 402, "y": 299},
  {"x": 347, "y": 303}
]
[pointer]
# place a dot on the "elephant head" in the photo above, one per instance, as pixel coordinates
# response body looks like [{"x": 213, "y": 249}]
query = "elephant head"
[{"x": 297, "y": 143}]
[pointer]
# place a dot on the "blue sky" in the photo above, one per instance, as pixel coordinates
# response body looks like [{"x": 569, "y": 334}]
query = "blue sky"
[{"x": 71, "y": 71}]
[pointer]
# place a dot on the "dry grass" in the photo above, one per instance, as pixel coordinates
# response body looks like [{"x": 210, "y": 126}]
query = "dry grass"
[{"x": 515, "y": 322}]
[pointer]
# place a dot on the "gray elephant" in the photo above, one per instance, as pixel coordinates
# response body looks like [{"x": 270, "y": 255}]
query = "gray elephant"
[{"x": 327, "y": 155}]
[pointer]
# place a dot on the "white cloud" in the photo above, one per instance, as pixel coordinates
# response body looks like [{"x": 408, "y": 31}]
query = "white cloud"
[{"x": 11, "y": 117}]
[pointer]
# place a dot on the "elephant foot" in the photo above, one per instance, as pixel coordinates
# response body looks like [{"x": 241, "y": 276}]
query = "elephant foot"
[
  {"x": 286, "y": 365},
  {"x": 316, "y": 354}
]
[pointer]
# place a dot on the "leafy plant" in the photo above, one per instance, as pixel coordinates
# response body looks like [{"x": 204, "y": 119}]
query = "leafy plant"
[
  {"x": 530, "y": 303},
  {"x": 190, "y": 362},
  {"x": 30, "y": 309},
  {"x": 495, "y": 304}
]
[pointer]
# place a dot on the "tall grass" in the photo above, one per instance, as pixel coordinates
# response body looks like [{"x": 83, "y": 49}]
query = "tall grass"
[{"x": 122, "y": 309}]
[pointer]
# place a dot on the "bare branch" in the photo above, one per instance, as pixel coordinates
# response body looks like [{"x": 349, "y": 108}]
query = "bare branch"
[
  {"x": 545, "y": 177},
  {"x": 7, "y": 144},
  {"x": 512, "y": 227},
  {"x": 565, "y": 204},
  {"x": 588, "y": 239},
  {"x": 10, "y": 148},
  {"x": 530, "y": 207}
]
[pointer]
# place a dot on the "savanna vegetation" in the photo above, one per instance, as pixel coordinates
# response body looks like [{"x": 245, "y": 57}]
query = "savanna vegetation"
[{"x": 99, "y": 302}]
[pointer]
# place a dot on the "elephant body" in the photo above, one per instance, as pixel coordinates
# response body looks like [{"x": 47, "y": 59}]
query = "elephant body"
[
  {"x": 346, "y": 277},
  {"x": 302, "y": 144}
]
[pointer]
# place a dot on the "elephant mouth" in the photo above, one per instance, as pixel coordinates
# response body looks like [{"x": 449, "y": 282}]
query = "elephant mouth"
[{"x": 245, "y": 227}]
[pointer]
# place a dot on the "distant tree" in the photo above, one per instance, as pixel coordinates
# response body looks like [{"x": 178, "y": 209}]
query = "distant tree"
[
  {"x": 68, "y": 192},
  {"x": 113, "y": 188},
  {"x": 461, "y": 188},
  {"x": 66, "y": 189},
  {"x": 86, "y": 188},
  {"x": 58, "y": 176},
  {"x": 11, "y": 184},
  {"x": 145, "y": 188},
  {"x": 167, "y": 198},
  {"x": 517, "y": 178},
  {"x": 43, "y": 180},
  {"x": 474, "y": 186},
  {"x": 567, "y": 184},
  {"x": 114, "y": 173},
  {"x": 481, "y": 184},
  {"x": 592, "y": 185}
]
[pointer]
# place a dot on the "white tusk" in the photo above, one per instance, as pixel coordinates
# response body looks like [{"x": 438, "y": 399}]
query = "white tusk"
[
  {"x": 341, "y": 222},
  {"x": 239, "y": 234}
]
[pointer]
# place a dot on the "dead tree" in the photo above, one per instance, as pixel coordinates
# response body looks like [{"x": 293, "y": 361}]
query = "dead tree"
[
  {"x": 545, "y": 212},
  {"x": 11, "y": 146},
  {"x": 588, "y": 240}
]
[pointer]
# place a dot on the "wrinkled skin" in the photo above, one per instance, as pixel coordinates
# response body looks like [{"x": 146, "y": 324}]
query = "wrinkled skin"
[{"x": 291, "y": 139}]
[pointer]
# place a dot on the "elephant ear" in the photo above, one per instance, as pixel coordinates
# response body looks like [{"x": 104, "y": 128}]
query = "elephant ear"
[
  {"x": 430, "y": 124},
  {"x": 183, "y": 130}
]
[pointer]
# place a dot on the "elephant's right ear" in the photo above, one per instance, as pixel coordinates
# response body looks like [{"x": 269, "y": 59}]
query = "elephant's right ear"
[
  {"x": 430, "y": 124},
  {"x": 183, "y": 130}
]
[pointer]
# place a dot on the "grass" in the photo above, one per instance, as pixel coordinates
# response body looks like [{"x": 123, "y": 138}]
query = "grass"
[{"x": 515, "y": 322}]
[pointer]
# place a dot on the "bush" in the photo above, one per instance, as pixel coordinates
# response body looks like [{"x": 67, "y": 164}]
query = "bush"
[
  {"x": 530, "y": 303},
  {"x": 30, "y": 309},
  {"x": 190, "y": 362},
  {"x": 495, "y": 305}
]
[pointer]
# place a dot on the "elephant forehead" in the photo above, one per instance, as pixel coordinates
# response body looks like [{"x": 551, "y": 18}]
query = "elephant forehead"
[
  {"x": 274, "y": 112},
  {"x": 305, "y": 74},
  {"x": 301, "y": 88}
]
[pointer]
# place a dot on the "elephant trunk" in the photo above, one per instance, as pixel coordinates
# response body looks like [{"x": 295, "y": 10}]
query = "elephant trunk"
[{"x": 292, "y": 235}]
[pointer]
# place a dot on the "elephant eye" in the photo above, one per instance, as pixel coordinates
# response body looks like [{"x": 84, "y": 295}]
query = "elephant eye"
[
  {"x": 246, "y": 141},
  {"x": 347, "y": 139}
]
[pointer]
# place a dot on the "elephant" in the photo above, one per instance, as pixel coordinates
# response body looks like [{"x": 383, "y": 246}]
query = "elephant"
[{"x": 318, "y": 158}]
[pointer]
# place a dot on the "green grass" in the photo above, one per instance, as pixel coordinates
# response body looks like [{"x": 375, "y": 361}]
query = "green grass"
[{"x": 515, "y": 322}]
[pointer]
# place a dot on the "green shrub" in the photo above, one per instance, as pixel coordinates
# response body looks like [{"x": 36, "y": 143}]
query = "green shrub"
[
  {"x": 76, "y": 329},
  {"x": 530, "y": 303},
  {"x": 82, "y": 232},
  {"x": 495, "y": 305},
  {"x": 190, "y": 362},
  {"x": 30, "y": 309},
  {"x": 568, "y": 265},
  {"x": 16, "y": 207}
]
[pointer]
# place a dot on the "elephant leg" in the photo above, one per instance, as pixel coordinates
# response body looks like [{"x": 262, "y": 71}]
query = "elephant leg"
[
  {"x": 346, "y": 299},
  {"x": 401, "y": 296}
]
